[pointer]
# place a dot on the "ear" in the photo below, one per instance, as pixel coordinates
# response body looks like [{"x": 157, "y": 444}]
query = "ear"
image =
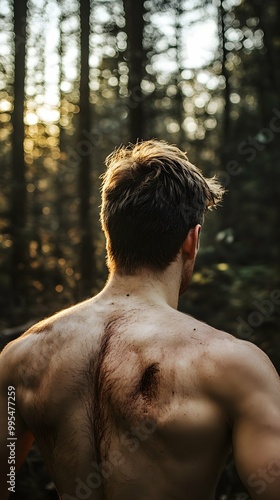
[{"x": 191, "y": 243}]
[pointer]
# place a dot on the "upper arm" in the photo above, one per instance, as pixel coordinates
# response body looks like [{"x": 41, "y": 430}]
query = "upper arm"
[
  {"x": 15, "y": 438},
  {"x": 251, "y": 395}
]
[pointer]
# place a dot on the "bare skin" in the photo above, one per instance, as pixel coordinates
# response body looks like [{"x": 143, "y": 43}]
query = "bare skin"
[{"x": 130, "y": 399}]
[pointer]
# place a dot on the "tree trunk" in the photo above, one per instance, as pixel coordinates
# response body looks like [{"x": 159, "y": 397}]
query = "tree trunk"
[
  {"x": 179, "y": 98},
  {"x": 225, "y": 152},
  {"x": 18, "y": 193},
  {"x": 226, "y": 120},
  {"x": 87, "y": 261},
  {"x": 272, "y": 62},
  {"x": 59, "y": 181},
  {"x": 134, "y": 12}
]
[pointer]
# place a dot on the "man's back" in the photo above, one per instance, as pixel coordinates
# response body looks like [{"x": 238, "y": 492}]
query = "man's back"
[{"x": 116, "y": 397}]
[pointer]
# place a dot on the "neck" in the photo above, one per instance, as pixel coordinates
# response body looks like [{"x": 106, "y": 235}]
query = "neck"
[{"x": 160, "y": 288}]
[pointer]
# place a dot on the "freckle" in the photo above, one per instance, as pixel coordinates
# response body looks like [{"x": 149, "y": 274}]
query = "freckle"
[{"x": 127, "y": 294}]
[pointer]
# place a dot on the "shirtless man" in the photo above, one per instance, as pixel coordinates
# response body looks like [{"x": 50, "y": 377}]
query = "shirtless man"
[{"x": 127, "y": 398}]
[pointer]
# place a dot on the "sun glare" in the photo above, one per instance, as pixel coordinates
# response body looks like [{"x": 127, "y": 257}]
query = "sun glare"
[{"x": 31, "y": 118}]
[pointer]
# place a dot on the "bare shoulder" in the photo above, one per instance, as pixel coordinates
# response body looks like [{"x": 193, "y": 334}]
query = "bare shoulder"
[
  {"x": 230, "y": 368},
  {"x": 236, "y": 372},
  {"x": 231, "y": 356},
  {"x": 11, "y": 357},
  {"x": 223, "y": 351},
  {"x": 69, "y": 318},
  {"x": 28, "y": 357}
]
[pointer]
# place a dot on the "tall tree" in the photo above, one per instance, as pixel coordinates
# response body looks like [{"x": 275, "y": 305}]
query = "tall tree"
[
  {"x": 224, "y": 71},
  {"x": 269, "y": 23},
  {"x": 87, "y": 261},
  {"x": 134, "y": 14},
  {"x": 18, "y": 194},
  {"x": 179, "y": 99},
  {"x": 59, "y": 185}
]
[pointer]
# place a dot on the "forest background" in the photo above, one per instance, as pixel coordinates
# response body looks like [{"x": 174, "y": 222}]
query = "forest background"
[{"x": 77, "y": 79}]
